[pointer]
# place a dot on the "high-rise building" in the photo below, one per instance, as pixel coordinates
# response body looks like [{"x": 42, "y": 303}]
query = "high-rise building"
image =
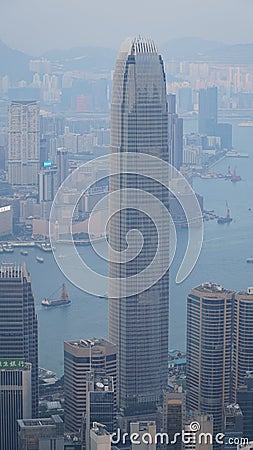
[
  {"x": 62, "y": 165},
  {"x": 208, "y": 111},
  {"x": 47, "y": 184},
  {"x": 23, "y": 143},
  {"x": 245, "y": 401},
  {"x": 80, "y": 357},
  {"x": 209, "y": 351},
  {"x": 233, "y": 426},
  {"x": 174, "y": 414},
  {"x": 100, "y": 402},
  {"x": 36, "y": 434},
  {"x": 100, "y": 438},
  {"x": 145, "y": 433},
  {"x": 15, "y": 399},
  {"x": 175, "y": 134},
  {"x": 138, "y": 324},
  {"x": 243, "y": 336},
  {"x": 18, "y": 322}
]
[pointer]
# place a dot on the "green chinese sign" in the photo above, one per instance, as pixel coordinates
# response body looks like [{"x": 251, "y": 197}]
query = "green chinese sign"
[{"x": 12, "y": 363}]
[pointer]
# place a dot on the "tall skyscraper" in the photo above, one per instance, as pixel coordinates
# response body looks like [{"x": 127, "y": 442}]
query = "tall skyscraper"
[
  {"x": 80, "y": 357},
  {"x": 100, "y": 402},
  {"x": 62, "y": 165},
  {"x": 245, "y": 400},
  {"x": 15, "y": 399},
  {"x": 138, "y": 324},
  {"x": 174, "y": 414},
  {"x": 209, "y": 351},
  {"x": 243, "y": 336},
  {"x": 208, "y": 111},
  {"x": 23, "y": 143},
  {"x": 175, "y": 134},
  {"x": 18, "y": 322}
]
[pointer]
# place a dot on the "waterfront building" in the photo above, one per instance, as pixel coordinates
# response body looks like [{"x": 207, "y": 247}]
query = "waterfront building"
[
  {"x": 15, "y": 399},
  {"x": 208, "y": 111},
  {"x": 23, "y": 143},
  {"x": 6, "y": 220},
  {"x": 209, "y": 354},
  {"x": 138, "y": 325},
  {"x": 18, "y": 322},
  {"x": 80, "y": 357},
  {"x": 43, "y": 433}
]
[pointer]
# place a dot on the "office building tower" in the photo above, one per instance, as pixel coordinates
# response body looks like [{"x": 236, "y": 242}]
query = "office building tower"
[
  {"x": 146, "y": 435},
  {"x": 203, "y": 439},
  {"x": 18, "y": 322},
  {"x": 6, "y": 220},
  {"x": 233, "y": 426},
  {"x": 174, "y": 414},
  {"x": 100, "y": 438},
  {"x": 100, "y": 402},
  {"x": 44, "y": 434},
  {"x": 62, "y": 165},
  {"x": 209, "y": 351},
  {"x": 15, "y": 399},
  {"x": 224, "y": 131},
  {"x": 208, "y": 111},
  {"x": 245, "y": 401},
  {"x": 175, "y": 134},
  {"x": 80, "y": 357},
  {"x": 47, "y": 184},
  {"x": 185, "y": 103},
  {"x": 23, "y": 143},
  {"x": 243, "y": 336},
  {"x": 138, "y": 325}
]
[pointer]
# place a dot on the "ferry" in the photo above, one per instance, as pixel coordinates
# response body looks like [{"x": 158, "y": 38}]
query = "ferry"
[
  {"x": 249, "y": 260},
  {"x": 62, "y": 301},
  {"x": 24, "y": 252},
  {"x": 8, "y": 248},
  {"x": 234, "y": 154},
  {"x": 39, "y": 259}
]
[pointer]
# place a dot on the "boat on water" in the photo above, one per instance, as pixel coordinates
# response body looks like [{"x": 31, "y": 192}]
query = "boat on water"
[
  {"x": 234, "y": 178},
  {"x": 62, "y": 301},
  {"x": 234, "y": 154},
  {"x": 1, "y": 248},
  {"x": 227, "y": 219},
  {"x": 249, "y": 260},
  {"x": 24, "y": 252},
  {"x": 39, "y": 259},
  {"x": 8, "y": 248}
]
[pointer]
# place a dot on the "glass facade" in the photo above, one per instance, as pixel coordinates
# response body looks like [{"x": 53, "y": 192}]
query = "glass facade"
[
  {"x": 18, "y": 322},
  {"x": 138, "y": 324}
]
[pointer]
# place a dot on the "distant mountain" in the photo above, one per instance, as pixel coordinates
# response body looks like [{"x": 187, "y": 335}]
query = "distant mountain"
[
  {"x": 196, "y": 49},
  {"x": 191, "y": 48},
  {"x": 13, "y": 63},
  {"x": 84, "y": 58}
]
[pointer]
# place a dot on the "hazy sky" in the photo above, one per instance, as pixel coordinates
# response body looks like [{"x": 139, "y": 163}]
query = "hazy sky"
[{"x": 38, "y": 25}]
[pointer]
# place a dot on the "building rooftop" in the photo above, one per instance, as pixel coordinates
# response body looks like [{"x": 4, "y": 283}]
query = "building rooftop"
[
  {"x": 212, "y": 288},
  {"x": 88, "y": 343},
  {"x": 50, "y": 421},
  {"x": 138, "y": 45},
  {"x": 99, "y": 381},
  {"x": 233, "y": 410}
]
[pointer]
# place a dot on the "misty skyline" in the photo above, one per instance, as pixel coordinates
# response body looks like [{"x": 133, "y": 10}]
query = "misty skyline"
[{"x": 35, "y": 27}]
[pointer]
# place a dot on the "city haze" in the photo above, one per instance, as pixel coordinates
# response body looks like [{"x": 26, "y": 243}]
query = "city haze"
[{"x": 65, "y": 24}]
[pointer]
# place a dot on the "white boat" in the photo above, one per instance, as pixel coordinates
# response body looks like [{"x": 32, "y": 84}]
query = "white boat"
[
  {"x": 40, "y": 259},
  {"x": 249, "y": 260}
]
